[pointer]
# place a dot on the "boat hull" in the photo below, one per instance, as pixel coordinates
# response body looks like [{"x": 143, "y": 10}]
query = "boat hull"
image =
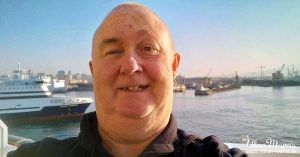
[
  {"x": 48, "y": 111},
  {"x": 228, "y": 88},
  {"x": 204, "y": 92}
]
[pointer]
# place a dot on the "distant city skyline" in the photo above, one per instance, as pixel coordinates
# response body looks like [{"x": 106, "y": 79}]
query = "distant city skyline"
[
  {"x": 60, "y": 72},
  {"x": 225, "y": 36}
]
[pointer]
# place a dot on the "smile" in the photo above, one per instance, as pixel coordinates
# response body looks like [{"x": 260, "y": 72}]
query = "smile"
[{"x": 137, "y": 88}]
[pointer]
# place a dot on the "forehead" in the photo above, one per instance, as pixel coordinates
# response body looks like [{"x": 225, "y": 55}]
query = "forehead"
[{"x": 142, "y": 22}]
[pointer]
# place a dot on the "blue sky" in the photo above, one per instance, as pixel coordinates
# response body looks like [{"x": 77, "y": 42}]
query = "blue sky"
[{"x": 227, "y": 36}]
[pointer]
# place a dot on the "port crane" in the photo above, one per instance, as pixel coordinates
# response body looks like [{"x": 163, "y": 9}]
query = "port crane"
[
  {"x": 206, "y": 76},
  {"x": 261, "y": 71},
  {"x": 278, "y": 74},
  {"x": 207, "y": 81}
]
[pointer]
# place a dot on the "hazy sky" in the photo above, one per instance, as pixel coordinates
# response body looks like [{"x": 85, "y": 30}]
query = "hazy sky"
[{"x": 225, "y": 35}]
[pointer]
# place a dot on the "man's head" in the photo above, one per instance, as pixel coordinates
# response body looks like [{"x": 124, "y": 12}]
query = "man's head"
[{"x": 133, "y": 67}]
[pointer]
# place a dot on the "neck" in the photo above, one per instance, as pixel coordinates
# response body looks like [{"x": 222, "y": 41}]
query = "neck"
[
  {"x": 128, "y": 141},
  {"x": 118, "y": 149}
]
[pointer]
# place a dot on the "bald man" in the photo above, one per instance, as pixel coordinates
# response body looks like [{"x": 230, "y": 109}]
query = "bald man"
[{"x": 133, "y": 65}]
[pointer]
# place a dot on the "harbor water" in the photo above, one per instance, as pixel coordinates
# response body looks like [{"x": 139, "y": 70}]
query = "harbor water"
[{"x": 259, "y": 112}]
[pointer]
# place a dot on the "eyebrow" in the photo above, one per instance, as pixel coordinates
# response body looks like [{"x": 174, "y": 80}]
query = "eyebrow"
[{"x": 109, "y": 40}]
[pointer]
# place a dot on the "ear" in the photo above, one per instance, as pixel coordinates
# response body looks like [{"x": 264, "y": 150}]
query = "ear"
[
  {"x": 175, "y": 63},
  {"x": 91, "y": 67}
]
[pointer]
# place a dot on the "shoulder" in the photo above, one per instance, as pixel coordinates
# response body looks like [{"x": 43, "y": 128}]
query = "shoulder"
[
  {"x": 210, "y": 146},
  {"x": 46, "y": 147}
]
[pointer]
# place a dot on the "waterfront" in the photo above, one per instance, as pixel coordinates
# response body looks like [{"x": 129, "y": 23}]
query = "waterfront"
[{"x": 255, "y": 111}]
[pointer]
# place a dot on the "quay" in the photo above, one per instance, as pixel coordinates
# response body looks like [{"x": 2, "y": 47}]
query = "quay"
[{"x": 270, "y": 83}]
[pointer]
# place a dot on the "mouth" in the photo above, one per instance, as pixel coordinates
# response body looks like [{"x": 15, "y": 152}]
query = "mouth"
[{"x": 137, "y": 88}]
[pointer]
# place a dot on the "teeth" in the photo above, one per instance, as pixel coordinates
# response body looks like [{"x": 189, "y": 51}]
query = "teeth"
[{"x": 135, "y": 88}]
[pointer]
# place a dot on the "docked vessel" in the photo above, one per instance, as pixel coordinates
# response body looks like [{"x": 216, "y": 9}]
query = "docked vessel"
[
  {"x": 179, "y": 88},
  {"x": 84, "y": 87},
  {"x": 57, "y": 86},
  {"x": 203, "y": 91},
  {"x": 31, "y": 98},
  {"x": 227, "y": 87},
  {"x": 216, "y": 89}
]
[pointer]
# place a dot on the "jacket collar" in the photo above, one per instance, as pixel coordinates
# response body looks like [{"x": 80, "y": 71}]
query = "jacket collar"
[
  {"x": 163, "y": 144},
  {"x": 91, "y": 140},
  {"x": 89, "y": 135}
]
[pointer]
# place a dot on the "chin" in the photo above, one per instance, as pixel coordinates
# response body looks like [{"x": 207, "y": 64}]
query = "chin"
[{"x": 136, "y": 111}]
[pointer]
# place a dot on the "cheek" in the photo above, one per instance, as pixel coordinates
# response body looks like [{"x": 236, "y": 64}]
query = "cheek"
[
  {"x": 160, "y": 69},
  {"x": 161, "y": 75},
  {"x": 103, "y": 79},
  {"x": 104, "y": 75},
  {"x": 104, "y": 72}
]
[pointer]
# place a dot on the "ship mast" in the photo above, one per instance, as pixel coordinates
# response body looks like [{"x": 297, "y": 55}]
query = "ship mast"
[{"x": 19, "y": 70}]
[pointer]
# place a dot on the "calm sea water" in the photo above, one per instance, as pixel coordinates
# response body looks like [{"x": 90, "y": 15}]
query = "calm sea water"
[{"x": 255, "y": 111}]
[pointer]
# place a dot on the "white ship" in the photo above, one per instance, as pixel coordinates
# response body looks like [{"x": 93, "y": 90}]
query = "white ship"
[
  {"x": 57, "y": 86},
  {"x": 31, "y": 98}
]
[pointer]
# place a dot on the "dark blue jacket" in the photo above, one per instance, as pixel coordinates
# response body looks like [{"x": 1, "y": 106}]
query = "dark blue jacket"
[{"x": 172, "y": 142}]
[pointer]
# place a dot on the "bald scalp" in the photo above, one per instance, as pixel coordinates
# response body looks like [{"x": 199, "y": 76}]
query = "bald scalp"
[{"x": 139, "y": 14}]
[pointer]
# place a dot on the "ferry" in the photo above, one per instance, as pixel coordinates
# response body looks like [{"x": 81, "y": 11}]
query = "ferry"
[
  {"x": 57, "y": 86},
  {"x": 30, "y": 98}
]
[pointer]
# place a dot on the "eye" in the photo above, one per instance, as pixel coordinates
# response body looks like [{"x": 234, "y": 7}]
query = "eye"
[
  {"x": 150, "y": 49},
  {"x": 112, "y": 52}
]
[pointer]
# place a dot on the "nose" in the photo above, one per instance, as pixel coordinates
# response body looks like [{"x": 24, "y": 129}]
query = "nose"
[{"x": 130, "y": 66}]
